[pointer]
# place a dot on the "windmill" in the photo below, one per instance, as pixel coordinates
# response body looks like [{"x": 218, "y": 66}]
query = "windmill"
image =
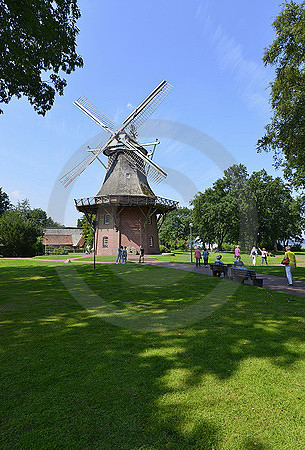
[{"x": 127, "y": 211}]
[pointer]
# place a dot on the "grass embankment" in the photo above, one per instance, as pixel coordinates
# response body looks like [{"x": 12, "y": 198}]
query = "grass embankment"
[{"x": 233, "y": 380}]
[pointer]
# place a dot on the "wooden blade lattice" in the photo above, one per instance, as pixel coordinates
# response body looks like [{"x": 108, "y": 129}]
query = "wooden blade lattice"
[
  {"x": 94, "y": 113},
  {"x": 145, "y": 110},
  {"x": 70, "y": 176}
]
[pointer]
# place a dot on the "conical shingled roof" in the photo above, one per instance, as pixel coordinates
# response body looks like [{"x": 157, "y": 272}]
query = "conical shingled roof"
[{"x": 122, "y": 178}]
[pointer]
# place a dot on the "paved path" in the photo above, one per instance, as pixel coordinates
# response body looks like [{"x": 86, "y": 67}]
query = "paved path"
[{"x": 270, "y": 281}]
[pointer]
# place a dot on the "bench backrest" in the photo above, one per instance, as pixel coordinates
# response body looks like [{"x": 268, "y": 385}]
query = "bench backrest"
[{"x": 235, "y": 271}]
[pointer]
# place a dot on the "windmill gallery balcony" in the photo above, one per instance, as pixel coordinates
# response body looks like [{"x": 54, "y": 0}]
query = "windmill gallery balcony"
[{"x": 90, "y": 204}]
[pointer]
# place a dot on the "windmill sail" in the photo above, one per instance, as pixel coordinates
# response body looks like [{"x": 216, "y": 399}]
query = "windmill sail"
[
  {"x": 125, "y": 139},
  {"x": 147, "y": 107},
  {"x": 70, "y": 176},
  {"x": 94, "y": 113}
]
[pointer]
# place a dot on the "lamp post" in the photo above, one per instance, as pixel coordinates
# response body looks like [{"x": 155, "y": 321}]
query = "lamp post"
[
  {"x": 45, "y": 245},
  {"x": 94, "y": 225},
  {"x": 191, "y": 228}
]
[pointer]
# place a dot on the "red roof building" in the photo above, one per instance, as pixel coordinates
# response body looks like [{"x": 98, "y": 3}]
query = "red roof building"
[{"x": 63, "y": 236}]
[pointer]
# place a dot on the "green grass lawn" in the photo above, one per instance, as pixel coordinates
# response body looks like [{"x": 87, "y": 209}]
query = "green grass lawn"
[
  {"x": 82, "y": 256},
  {"x": 70, "y": 378},
  {"x": 298, "y": 273},
  {"x": 70, "y": 255},
  {"x": 102, "y": 258}
]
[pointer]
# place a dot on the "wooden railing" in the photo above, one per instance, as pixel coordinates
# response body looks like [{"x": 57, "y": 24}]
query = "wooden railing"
[{"x": 126, "y": 200}]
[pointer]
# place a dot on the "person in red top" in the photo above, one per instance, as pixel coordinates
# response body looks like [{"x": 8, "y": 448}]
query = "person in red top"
[{"x": 198, "y": 257}]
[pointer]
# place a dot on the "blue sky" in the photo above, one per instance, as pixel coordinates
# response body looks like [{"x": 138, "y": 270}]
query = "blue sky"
[{"x": 210, "y": 52}]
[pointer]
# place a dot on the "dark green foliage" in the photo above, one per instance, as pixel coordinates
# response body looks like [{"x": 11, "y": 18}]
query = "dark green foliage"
[
  {"x": 21, "y": 229},
  {"x": 5, "y": 203},
  {"x": 41, "y": 218},
  {"x": 285, "y": 134},
  {"x": 249, "y": 210},
  {"x": 175, "y": 230},
  {"x": 88, "y": 232},
  {"x": 37, "y": 45},
  {"x": 54, "y": 250},
  {"x": 216, "y": 212},
  {"x": 164, "y": 249},
  {"x": 18, "y": 234}
]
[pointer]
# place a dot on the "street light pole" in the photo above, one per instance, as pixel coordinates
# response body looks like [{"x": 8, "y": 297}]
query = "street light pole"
[
  {"x": 191, "y": 227},
  {"x": 94, "y": 224}
]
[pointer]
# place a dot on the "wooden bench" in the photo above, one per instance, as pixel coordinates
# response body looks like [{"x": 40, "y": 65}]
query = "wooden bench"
[
  {"x": 218, "y": 269},
  {"x": 240, "y": 275}
]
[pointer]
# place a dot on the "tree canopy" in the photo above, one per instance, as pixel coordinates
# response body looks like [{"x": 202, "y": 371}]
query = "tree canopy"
[
  {"x": 285, "y": 134},
  {"x": 18, "y": 234},
  {"x": 87, "y": 232},
  {"x": 37, "y": 45},
  {"x": 21, "y": 227},
  {"x": 249, "y": 210},
  {"x": 176, "y": 228},
  {"x": 5, "y": 203}
]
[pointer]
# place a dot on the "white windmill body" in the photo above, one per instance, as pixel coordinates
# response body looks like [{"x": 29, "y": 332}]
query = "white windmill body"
[{"x": 128, "y": 213}]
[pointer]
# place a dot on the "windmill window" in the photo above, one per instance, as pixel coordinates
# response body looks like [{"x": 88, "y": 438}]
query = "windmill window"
[
  {"x": 149, "y": 220},
  {"x": 105, "y": 241},
  {"x": 151, "y": 241},
  {"x": 107, "y": 219}
]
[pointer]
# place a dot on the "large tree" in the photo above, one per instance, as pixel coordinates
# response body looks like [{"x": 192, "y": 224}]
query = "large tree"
[
  {"x": 21, "y": 229},
  {"x": 216, "y": 212},
  {"x": 37, "y": 215},
  {"x": 37, "y": 45},
  {"x": 18, "y": 234},
  {"x": 5, "y": 203},
  {"x": 176, "y": 227},
  {"x": 285, "y": 134},
  {"x": 279, "y": 215},
  {"x": 88, "y": 232},
  {"x": 249, "y": 210}
]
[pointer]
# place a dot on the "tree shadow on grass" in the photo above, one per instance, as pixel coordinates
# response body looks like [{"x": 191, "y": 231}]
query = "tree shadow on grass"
[{"x": 74, "y": 381}]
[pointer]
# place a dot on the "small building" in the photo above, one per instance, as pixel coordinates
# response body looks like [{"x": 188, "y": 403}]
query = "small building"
[{"x": 64, "y": 237}]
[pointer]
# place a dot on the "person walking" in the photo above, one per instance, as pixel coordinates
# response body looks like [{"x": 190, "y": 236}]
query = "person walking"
[
  {"x": 141, "y": 257},
  {"x": 265, "y": 254},
  {"x": 205, "y": 257},
  {"x": 237, "y": 251},
  {"x": 197, "y": 257},
  {"x": 292, "y": 264},
  {"x": 119, "y": 257},
  {"x": 124, "y": 255},
  {"x": 253, "y": 254}
]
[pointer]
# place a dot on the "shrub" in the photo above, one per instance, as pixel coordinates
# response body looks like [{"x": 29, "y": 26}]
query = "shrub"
[
  {"x": 164, "y": 249},
  {"x": 228, "y": 247},
  {"x": 18, "y": 234}
]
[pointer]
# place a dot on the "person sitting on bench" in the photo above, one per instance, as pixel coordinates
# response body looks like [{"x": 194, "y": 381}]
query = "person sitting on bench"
[
  {"x": 219, "y": 263},
  {"x": 239, "y": 264}
]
